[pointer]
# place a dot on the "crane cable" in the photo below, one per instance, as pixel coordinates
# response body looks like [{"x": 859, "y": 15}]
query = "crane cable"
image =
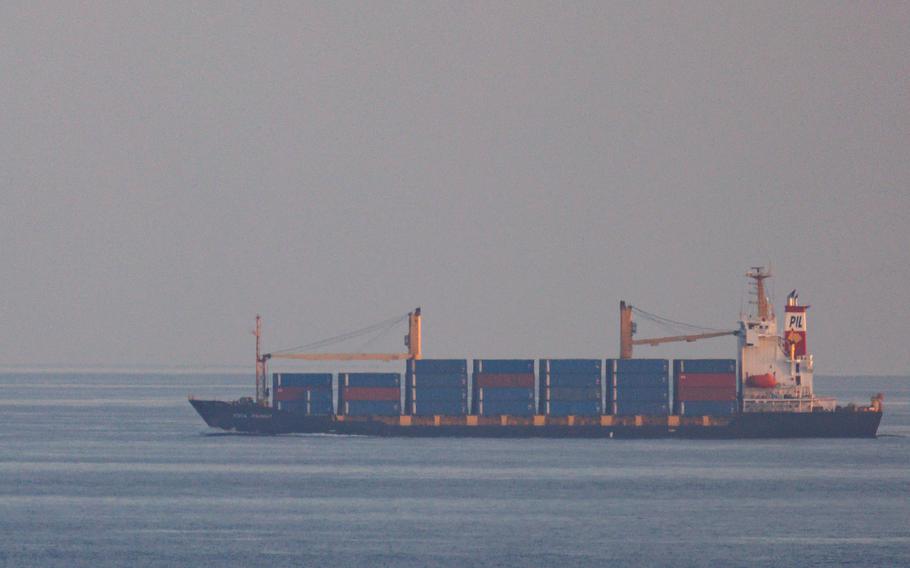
[
  {"x": 379, "y": 335},
  {"x": 668, "y": 323},
  {"x": 382, "y": 327}
]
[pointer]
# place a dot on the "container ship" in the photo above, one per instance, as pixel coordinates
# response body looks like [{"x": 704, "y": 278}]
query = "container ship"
[{"x": 765, "y": 392}]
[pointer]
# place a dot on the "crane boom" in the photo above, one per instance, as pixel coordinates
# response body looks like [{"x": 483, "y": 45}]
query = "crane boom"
[
  {"x": 692, "y": 337},
  {"x": 627, "y": 329},
  {"x": 342, "y": 356}
]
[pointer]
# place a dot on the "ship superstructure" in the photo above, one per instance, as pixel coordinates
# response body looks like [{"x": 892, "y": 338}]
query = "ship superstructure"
[{"x": 776, "y": 369}]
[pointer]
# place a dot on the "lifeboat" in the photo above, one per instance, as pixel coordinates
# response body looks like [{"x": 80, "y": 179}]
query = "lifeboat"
[{"x": 766, "y": 381}]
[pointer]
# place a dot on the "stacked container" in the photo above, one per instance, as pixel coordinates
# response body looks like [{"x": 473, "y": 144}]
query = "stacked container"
[
  {"x": 304, "y": 393},
  {"x": 504, "y": 386},
  {"x": 365, "y": 394},
  {"x": 704, "y": 387},
  {"x": 571, "y": 387},
  {"x": 437, "y": 387},
  {"x": 639, "y": 386}
]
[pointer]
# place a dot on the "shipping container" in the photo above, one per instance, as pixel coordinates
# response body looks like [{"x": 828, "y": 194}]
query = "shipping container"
[
  {"x": 369, "y": 379},
  {"x": 496, "y": 394},
  {"x": 641, "y": 394},
  {"x": 572, "y": 394},
  {"x": 504, "y": 366},
  {"x": 646, "y": 408},
  {"x": 371, "y": 393},
  {"x": 571, "y": 366},
  {"x": 639, "y": 380},
  {"x": 372, "y": 408},
  {"x": 439, "y": 407},
  {"x": 706, "y": 408},
  {"x": 572, "y": 408},
  {"x": 305, "y": 407},
  {"x": 510, "y": 407},
  {"x": 483, "y": 380},
  {"x": 288, "y": 394},
  {"x": 707, "y": 393},
  {"x": 301, "y": 379},
  {"x": 573, "y": 380},
  {"x": 446, "y": 380},
  {"x": 442, "y": 394},
  {"x": 437, "y": 366},
  {"x": 285, "y": 394},
  {"x": 320, "y": 395},
  {"x": 708, "y": 366},
  {"x": 706, "y": 380},
  {"x": 295, "y": 406},
  {"x": 646, "y": 366}
]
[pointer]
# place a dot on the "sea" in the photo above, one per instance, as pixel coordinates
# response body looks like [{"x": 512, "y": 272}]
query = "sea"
[{"x": 116, "y": 469}]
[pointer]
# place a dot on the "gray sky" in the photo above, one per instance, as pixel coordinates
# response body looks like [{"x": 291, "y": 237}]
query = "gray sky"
[{"x": 170, "y": 169}]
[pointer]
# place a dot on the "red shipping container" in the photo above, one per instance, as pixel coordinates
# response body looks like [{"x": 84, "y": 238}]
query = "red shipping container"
[
  {"x": 489, "y": 380},
  {"x": 372, "y": 393},
  {"x": 707, "y": 380},
  {"x": 705, "y": 393},
  {"x": 295, "y": 393}
]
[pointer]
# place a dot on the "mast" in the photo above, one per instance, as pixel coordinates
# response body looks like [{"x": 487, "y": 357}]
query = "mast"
[
  {"x": 626, "y": 329},
  {"x": 412, "y": 340},
  {"x": 759, "y": 274},
  {"x": 262, "y": 390}
]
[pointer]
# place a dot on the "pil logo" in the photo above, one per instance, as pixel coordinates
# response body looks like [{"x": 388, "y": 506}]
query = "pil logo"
[{"x": 797, "y": 321}]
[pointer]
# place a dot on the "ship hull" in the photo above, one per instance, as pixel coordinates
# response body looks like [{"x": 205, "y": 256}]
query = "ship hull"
[{"x": 253, "y": 419}]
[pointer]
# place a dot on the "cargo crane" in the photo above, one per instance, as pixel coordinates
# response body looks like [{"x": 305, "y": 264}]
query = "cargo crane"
[
  {"x": 411, "y": 341},
  {"x": 627, "y": 329}
]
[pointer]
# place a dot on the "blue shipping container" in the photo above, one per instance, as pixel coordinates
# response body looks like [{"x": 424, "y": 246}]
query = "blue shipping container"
[
  {"x": 387, "y": 380},
  {"x": 372, "y": 408},
  {"x": 511, "y": 407},
  {"x": 302, "y": 407},
  {"x": 430, "y": 366},
  {"x": 504, "y": 366},
  {"x": 444, "y": 394},
  {"x": 505, "y": 394},
  {"x": 580, "y": 408},
  {"x": 301, "y": 379},
  {"x": 638, "y": 380},
  {"x": 641, "y": 394},
  {"x": 570, "y": 366},
  {"x": 706, "y": 366},
  {"x": 629, "y": 408},
  {"x": 320, "y": 408},
  {"x": 571, "y": 381},
  {"x": 707, "y": 407},
  {"x": 438, "y": 380},
  {"x": 441, "y": 408},
  {"x": 638, "y": 365},
  {"x": 320, "y": 396},
  {"x": 296, "y": 406},
  {"x": 569, "y": 394}
]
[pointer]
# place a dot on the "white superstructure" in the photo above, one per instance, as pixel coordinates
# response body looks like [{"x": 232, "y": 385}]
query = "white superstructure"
[{"x": 776, "y": 371}]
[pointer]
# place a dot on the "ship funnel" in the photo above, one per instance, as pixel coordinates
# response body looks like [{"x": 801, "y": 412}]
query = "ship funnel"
[{"x": 795, "y": 326}]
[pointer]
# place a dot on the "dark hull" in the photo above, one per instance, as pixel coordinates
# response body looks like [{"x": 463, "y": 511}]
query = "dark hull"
[{"x": 249, "y": 418}]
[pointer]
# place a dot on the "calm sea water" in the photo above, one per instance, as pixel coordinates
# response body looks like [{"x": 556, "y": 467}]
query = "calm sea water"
[{"x": 114, "y": 470}]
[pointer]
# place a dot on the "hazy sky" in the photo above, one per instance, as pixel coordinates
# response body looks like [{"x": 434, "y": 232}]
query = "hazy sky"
[{"x": 170, "y": 169}]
